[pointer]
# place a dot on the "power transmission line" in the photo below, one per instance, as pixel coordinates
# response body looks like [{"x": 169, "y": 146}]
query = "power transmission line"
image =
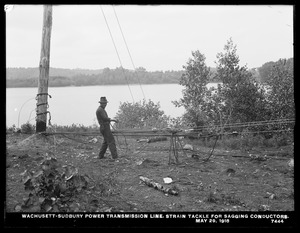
[
  {"x": 128, "y": 50},
  {"x": 247, "y": 124},
  {"x": 117, "y": 52}
]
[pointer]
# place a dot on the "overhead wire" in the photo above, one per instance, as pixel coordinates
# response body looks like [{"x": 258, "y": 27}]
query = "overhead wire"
[
  {"x": 22, "y": 107},
  {"x": 116, "y": 52},
  {"x": 245, "y": 124},
  {"x": 128, "y": 51},
  {"x": 178, "y": 133}
]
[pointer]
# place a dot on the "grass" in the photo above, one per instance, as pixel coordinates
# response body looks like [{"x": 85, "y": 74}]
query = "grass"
[
  {"x": 75, "y": 128},
  {"x": 28, "y": 128},
  {"x": 248, "y": 141}
]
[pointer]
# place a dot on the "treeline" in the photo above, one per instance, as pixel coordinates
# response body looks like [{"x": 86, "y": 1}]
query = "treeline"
[
  {"x": 240, "y": 98},
  {"x": 266, "y": 69},
  {"x": 27, "y": 73},
  {"x": 80, "y": 77},
  {"x": 108, "y": 76}
]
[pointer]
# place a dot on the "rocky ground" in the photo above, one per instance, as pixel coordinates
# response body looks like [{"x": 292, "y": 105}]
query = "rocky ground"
[{"x": 257, "y": 180}]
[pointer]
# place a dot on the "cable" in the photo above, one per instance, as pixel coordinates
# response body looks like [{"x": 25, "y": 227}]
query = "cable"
[
  {"x": 30, "y": 115},
  {"x": 117, "y": 52},
  {"x": 217, "y": 137},
  {"x": 128, "y": 51},
  {"x": 77, "y": 140},
  {"x": 22, "y": 107},
  {"x": 246, "y": 124},
  {"x": 118, "y": 139}
]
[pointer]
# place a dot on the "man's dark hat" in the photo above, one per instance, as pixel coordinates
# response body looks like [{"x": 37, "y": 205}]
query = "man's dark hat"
[{"x": 103, "y": 100}]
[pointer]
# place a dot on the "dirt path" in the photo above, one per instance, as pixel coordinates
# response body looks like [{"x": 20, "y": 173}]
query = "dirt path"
[{"x": 228, "y": 181}]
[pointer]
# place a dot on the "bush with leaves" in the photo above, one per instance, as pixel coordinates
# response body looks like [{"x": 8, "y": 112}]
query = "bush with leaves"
[
  {"x": 280, "y": 95},
  {"x": 141, "y": 115},
  {"x": 28, "y": 128},
  {"x": 76, "y": 128},
  {"x": 51, "y": 188},
  {"x": 13, "y": 129}
]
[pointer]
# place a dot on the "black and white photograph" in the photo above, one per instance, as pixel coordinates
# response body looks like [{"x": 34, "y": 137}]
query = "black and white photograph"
[{"x": 149, "y": 115}]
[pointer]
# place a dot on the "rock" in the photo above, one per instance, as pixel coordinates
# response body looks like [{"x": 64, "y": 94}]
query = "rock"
[
  {"x": 291, "y": 163},
  {"x": 94, "y": 140},
  {"x": 139, "y": 162},
  {"x": 195, "y": 156},
  {"x": 38, "y": 159},
  {"x": 24, "y": 156},
  {"x": 18, "y": 208},
  {"x": 188, "y": 147},
  {"x": 168, "y": 180},
  {"x": 230, "y": 171}
]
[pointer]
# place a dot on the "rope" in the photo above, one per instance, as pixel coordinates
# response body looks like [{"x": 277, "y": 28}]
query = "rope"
[
  {"x": 217, "y": 137},
  {"x": 118, "y": 139},
  {"x": 82, "y": 134},
  {"x": 166, "y": 135},
  {"x": 128, "y": 50},
  {"x": 117, "y": 52},
  {"x": 54, "y": 138},
  {"x": 30, "y": 115},
  {"x": 42, "y": 94},
  {"x": 43, "y": 104},
  {"x": 30, "y": 119},
  {"x": 245, "y": 124},
  {"x": 143, "y": 148},
  {"x": 22, "y": 107},
  {"x": 76, "y": 140}
]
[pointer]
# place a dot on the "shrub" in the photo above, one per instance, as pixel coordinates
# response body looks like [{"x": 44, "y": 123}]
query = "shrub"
[
  {"x": 234, "y": 143},
  {"x": 13, "y": 129},
  {"x": 75, "y": 128},
  {"x": 282, "y": 139},
  {"x": 28, "y": 128},
  {"x": 51, "y": 188},
  {"x": 141, "y": 115}
]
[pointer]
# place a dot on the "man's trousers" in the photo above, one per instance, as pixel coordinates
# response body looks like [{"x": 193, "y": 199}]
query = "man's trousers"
[{"x": 108, "y": 141}]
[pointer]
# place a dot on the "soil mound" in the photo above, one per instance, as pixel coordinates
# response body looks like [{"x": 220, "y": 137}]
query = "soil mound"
[{"x": 35, "y": 141}]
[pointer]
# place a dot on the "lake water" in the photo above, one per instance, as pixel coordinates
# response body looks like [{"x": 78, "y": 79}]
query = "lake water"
[{"x": 77, "y": 105}]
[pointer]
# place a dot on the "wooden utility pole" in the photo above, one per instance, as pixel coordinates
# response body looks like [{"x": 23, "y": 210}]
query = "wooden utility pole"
[{"x": 42, "y": 96}]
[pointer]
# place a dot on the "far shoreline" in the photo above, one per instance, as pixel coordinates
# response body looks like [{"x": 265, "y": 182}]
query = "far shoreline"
[{"x": 113, "y": 84}]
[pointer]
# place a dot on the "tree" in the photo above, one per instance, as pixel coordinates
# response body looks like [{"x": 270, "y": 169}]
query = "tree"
[
  {"x": 242, "y": 97},
  {"x": 280, "y": 93},
  {"x": 195, "y": 78},
  {"x": 265, "y": 70}
]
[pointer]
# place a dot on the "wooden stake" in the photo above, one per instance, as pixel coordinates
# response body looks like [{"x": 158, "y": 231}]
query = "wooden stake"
[
  {"x": 42, "y": 97},
  {"x": 174, "y": 139}
]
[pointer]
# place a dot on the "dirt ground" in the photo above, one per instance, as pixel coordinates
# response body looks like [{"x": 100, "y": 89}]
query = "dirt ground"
[{"x": 257, "y": 180}]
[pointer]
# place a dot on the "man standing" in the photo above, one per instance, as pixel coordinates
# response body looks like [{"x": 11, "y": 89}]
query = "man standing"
[{"x": 104, "y": 122}]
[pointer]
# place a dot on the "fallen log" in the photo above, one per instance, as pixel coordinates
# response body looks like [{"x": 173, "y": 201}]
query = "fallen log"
[
  {"x": 158, "y": 186},
  {"x": 153, "y": 139},
  {"x": 157, "y": 139}
]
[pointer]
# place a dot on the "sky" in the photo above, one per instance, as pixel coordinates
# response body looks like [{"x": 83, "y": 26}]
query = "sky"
[{"x": 158, "y": 37}]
